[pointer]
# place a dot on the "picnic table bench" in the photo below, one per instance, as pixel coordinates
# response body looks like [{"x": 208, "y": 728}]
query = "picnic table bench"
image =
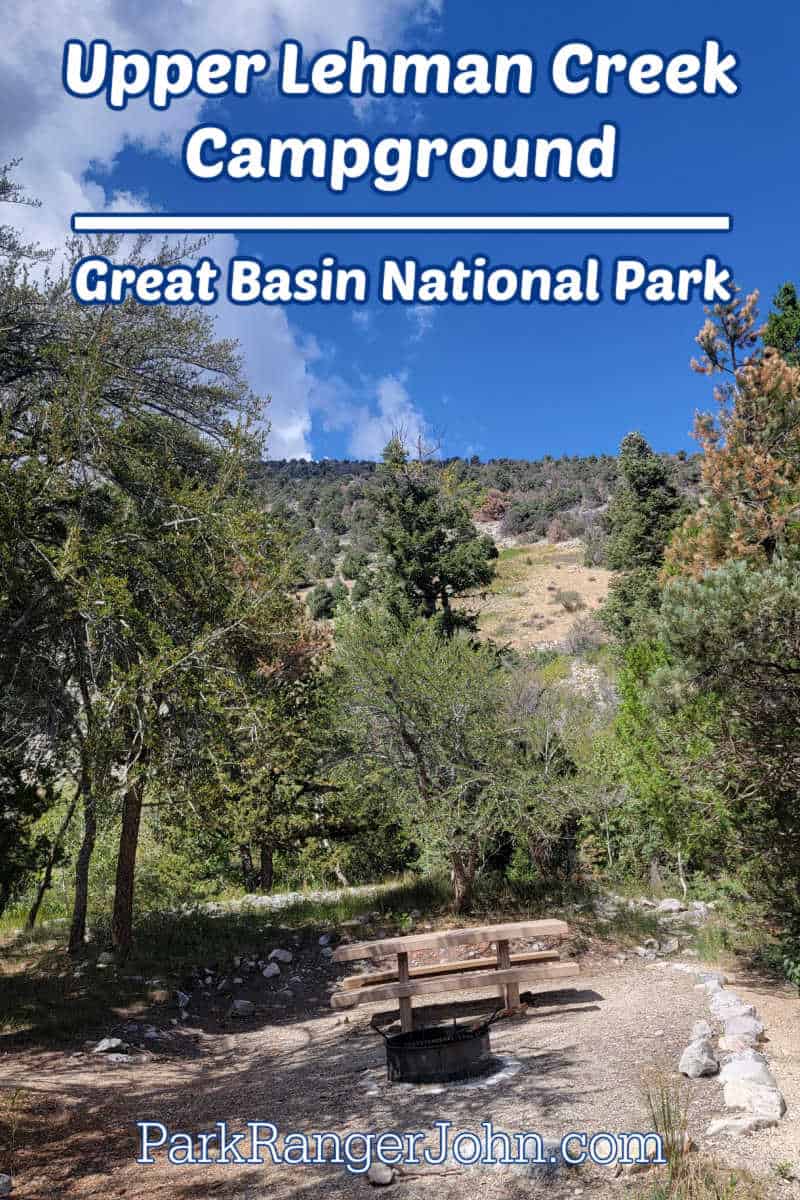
[{"x": 504, "y": 972}]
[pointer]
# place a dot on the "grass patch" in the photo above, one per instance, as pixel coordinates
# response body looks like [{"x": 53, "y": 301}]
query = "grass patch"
[
  {"x": 46, "y": 997},
  {"x": 705, "y": 1179},
  {"x": 687, "y": 1175},
  {"x": 629, "y": 926}
]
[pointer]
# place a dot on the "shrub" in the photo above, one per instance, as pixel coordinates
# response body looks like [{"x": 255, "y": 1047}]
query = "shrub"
[
  {"x": 557, "y": 531},
  {"x": 321, "y": 603},
  {"x": 339, "y": 592},
  {"x": 353, "y": 564},
  {"x": 324, "y": 567},
  {"x": 361, "y": 589},
  {"x": 570, "y": 601},
  {"x": 594, "y": 543},
  {"x": 585, "y": 635},
  {"x": 494, "y": 507}
]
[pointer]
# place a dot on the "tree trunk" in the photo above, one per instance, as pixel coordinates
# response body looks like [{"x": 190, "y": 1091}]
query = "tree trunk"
[
  {"x": 463, "y": 877},
  {"x": 248, "y": 870},
  {"x": 122, "y": 920},
  {"x": 51, "y": 862},
  {"x": 341, "y": 877},
  {"x": 77, "y": 933},
  {"x": 656, "y": 883},
  {"x": 266, "y": 872}
]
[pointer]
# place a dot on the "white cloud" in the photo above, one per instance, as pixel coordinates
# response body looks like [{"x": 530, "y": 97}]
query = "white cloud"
[
  {"x": 421, "y": 317},
  {"x": 59, "y": 138},
  {"x": 371, "y": 415}
]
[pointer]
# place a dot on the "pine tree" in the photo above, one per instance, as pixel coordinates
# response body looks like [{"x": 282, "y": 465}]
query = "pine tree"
[
  {"x": 641, "y": 517},
  {"x": 782, "y": 330},
  {"x": 432, "y": 549},
  {"x": 751, "y": 450}
]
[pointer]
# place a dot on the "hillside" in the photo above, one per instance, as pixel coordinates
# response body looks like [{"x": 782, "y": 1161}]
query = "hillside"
[
  {"x": 330, "y": 508},
  {"x": 539, "y": 593}
]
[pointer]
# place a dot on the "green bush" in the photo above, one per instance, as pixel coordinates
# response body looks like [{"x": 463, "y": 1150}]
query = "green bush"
[
  {"x": 321, "y": 603},
  {"x": 353, "y": 564},
  {"x": 361, "y": 590}
]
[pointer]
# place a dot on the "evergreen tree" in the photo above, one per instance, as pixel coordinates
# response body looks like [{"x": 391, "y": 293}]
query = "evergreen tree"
[
  {"x": 432, "y": 549},
  {"x": 751, "y": 451},
  {"x": 782, "y": 330},
  {"x": 641, "y": 516}
]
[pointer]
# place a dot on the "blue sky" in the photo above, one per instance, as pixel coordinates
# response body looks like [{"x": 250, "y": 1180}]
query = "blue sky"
[{"x": 514, "y": 380}]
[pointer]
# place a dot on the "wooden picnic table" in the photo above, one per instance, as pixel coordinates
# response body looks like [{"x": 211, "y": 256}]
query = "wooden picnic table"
[{"x": 506, "y": 976}]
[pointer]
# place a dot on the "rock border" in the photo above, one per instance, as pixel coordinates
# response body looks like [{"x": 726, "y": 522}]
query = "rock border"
[{"x": 750, "y": 1090}]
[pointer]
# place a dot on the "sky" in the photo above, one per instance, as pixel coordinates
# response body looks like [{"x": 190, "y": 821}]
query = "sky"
[{"x": 495, "y": 381}]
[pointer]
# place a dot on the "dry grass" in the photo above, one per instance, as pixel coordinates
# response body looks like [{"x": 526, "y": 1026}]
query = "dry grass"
[
  {"x": 687, "y": 1175},
  {"x": 523, "y": 605},
  {"x": 700, "y": 1178}
]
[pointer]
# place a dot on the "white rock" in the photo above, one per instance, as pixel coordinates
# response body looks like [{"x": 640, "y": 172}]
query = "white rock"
[
  {"x": 271, "y": 970},
  {"x": 108, "y": 1045},
  {"x": 747, "y": 1027},
  {"x": 380, "y": 1175},
  {"x": 698, "y": 1059},
  {"x": 738, "y": 1126},
  {"x": 700, "y": 1030},
  {"x": 281, "y": 956},
  {"x": 761, "y": 1101},
  {"x": 671, "y": 906},
  {"x": 105, "y": 959},
  {"x": 749, "y": 1067},
  {"x": 736, "y": 1045},
  {"x": 325, "y": 939},
  {"x": 242, "y": 1008},
  {"x": 6, "y": 1184},
  {"x": 712, "y": 977},
  {"x": 724, "y": 999}
]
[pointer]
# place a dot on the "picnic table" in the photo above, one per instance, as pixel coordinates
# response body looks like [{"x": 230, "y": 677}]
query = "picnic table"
[{"x": 505, "y": 972}]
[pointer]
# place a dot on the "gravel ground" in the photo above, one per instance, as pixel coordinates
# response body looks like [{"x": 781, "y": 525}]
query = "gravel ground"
[{"x": 581, "y": 1055}]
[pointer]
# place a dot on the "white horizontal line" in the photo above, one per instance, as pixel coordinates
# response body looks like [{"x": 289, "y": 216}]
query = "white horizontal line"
[{"x": 509, "y": 223}]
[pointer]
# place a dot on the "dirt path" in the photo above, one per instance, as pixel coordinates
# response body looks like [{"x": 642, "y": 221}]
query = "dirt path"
[{"x": 581, "y": 1058}]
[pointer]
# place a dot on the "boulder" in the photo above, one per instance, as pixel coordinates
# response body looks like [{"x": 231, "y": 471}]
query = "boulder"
[
  {"x": 698, "y": 1059},
  {"x": 325, "y": 939},
  {"x": 736, "y": 1045},
  {"x": 712, "y": 977},
  {"x": 738, "y": 1126},
  {"x": 749, "y": 1067},
  {"x": 6, "y": 1185},
  {"x": 241, "y": 1008},
  {"x": 327, "y": 952},
  {"x": 669, "y": 946},
  {"x": 545, "y": 1171},
  {"x": 109, "y": 1045},
  {"x": 380, "y": 1175},
  {"x": 671, "y": 906},
  {"x": 280, "y": 956},
  {"x": 754, "y": 1098},
  {"x": 106, "y": 959},
  {"x": 271, "y": 970},
  {"x": 724, "y": 999},
  {"x": 701, "y": 1030},
  {"x": 749, "y": 1028}
]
